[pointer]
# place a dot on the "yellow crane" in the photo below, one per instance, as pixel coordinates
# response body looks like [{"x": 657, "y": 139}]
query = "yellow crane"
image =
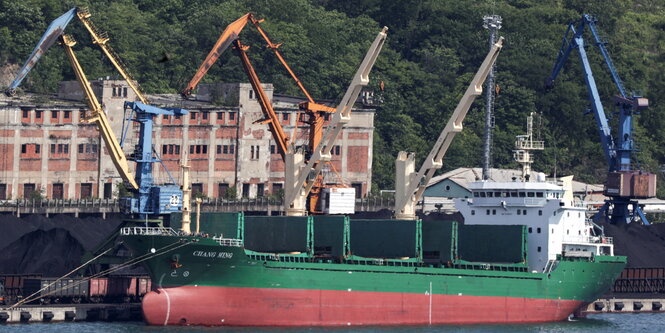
[{"x": 98, "y": 116}]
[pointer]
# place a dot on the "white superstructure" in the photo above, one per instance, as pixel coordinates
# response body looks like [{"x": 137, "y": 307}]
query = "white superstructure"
[{"x": 557, "y": 224}]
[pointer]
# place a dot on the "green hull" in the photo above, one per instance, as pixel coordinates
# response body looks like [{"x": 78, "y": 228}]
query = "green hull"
[{"x": 204, "y": 262}]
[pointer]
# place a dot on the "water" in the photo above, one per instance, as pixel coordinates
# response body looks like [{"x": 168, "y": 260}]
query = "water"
[{"x": 595, "y": 323}]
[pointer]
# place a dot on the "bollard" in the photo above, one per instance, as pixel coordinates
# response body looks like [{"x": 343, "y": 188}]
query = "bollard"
[
  {"x": 598, "y": 306},
  {"x": 656, "y": 306},
  {"x": 3, "y": 317},
  {"x": 637, "y": 306},
  {"x": 25, "y": 316},
  {"x": 70, "y": 315},
  {"x": 47, "y": 316},
  {"x": 618, "y": 306}
]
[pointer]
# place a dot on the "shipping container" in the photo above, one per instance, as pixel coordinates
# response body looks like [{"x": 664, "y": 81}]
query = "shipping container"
[
  {"x": 339, "y": 200},
  {"x": 278, "y": 234},
  {"x": 396, "y": 239},
  {"x": 492, "y": 243}
]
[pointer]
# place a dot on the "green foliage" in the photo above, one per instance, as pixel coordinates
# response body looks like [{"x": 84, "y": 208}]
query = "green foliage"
[
  {"x": 231, "y": 193},
  {"x": 433, "y": 50}
]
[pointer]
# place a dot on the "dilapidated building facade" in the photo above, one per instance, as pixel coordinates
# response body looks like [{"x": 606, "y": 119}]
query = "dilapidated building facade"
[{"x": 47, "y": 151}]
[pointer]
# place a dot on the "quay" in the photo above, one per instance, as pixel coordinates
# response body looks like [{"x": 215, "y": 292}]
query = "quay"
[
  {"x": 71, "y": 312},
  {"x": 624, "y": 305}
]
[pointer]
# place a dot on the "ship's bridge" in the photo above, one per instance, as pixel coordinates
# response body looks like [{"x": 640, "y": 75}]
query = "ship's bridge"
[{"x": 527, "y": 194}]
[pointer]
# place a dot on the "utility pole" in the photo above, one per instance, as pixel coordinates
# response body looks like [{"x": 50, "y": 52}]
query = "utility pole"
[{"x": 493, "y": 24}]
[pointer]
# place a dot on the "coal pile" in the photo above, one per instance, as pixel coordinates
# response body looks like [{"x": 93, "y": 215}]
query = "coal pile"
[
  {"x": 644, "y": 245},
  {"x": 34, "y": 244}
]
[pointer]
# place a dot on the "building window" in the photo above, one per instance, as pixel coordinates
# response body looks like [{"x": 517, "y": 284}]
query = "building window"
[
  {"x": 58, "y": 191},
  {"x": 540, "y": 213},
  {"x": 488, "y": 212},
  {"x": 87, "y": 148},
  {"x": 198, "y": 150},
  {"x": 277, "y": 188},
  {"x": 220, "y": 117},
  {"x": 232, "y": 116},
  {"x": 108, "y": 190},
  {"x": 473, "y": 212},
  {"x": 54, "y": 114},
  {"x": 81, "y": 115},
  {"x": 285, "y": 116},
  {"x": 192, "y": 116},
  {"x": 124, "y": 92},
  {"x": 530, "y": 230},
  {"x": 38, "y": 114},
  {"x": 254, "y": 152},
  {"x": 337, "y": 150},
  {"x": 197, "y": 189},
  {"x": 30, "y": 150},
  {"x": 225, "y": 149},
  {"x": 221, "y": 189},
  {"x": 259, "y": 190},
  {"x": 245, "y": 190},
  {"x": 539, "y": 249},
  {"x": 273, "y": 149},
  {"x": 524, "y": 212},
  {"x": 25, "y": 116},
  {"x": 86, "y": 190},
  {"x": 251, "y": 94},
  {"x": 538, "y": 230},
  {"x": 171, "y": 150},
  {"x": 493, "y": 211},
  {"x": 28, "y": 190},
  {"x": 59, "y": 150},
  {"x": 204, "y": 115},
  {"x": 3, "y": 191},
  {"x": 66, "y": 114},
  {"x": 519, "y": 212}
]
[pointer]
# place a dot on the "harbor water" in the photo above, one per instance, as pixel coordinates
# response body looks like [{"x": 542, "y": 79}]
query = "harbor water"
[{"x": 610, "y": 322}]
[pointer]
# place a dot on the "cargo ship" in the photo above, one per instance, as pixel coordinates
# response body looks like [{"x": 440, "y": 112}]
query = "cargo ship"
[{"x": 525, "y": 253}]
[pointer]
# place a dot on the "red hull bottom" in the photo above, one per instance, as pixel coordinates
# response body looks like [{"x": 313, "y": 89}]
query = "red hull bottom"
[{"x": 214, "y": 306}]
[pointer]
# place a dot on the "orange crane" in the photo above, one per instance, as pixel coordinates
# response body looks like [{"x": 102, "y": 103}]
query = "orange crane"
[{"x": 316, "y": 113}]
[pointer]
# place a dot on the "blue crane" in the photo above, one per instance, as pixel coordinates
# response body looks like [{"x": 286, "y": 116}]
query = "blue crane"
[
  {"x": 624, "y": 184},
  {"x": 151, "y": 199}
]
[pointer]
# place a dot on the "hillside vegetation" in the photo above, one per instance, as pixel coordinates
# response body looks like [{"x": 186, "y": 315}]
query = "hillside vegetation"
[{"x": 434, "y": 48}]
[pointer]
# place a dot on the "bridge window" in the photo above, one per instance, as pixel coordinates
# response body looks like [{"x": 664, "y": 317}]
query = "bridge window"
[
  {"x": 539, "y": 194},
  {"x": 530, "y": 194},
  {"x": 522, "y": 194}
]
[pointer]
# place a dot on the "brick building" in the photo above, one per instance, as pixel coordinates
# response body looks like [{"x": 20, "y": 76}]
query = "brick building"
[{"x": 44, "y": 147}]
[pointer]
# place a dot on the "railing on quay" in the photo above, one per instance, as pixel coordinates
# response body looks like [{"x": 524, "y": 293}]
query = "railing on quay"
[{"x": 266, "y": 205}]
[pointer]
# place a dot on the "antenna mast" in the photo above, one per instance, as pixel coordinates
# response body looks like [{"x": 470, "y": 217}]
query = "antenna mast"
[{"x": 493, "y": 23}]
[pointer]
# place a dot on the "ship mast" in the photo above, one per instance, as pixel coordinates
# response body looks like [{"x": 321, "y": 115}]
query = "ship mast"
[
  {"x": 524, "y": 145},
  {"x": 493, "y": 23}
]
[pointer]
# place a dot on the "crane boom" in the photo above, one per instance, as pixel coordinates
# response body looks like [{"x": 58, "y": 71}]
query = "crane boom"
[
  {"x": 409, "y": 186},
  {"x": 281, "y": 139},
  {"x": 299, "y": 176},
  {"x": 225, "y": 39},
  {"x": 54, "y": 30},
  {"x": 98, "y": 116},
  {"x": 102, "y": 39},
  {"x": 618, "y": 150}
]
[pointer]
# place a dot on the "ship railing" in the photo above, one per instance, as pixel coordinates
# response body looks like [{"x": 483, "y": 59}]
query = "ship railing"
[
  {"x": 228, "y": 241},
  {"x": 589, "y": 240},
  {"x": 550, "y": 266},
  {"x": 148, "y": 231}
]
